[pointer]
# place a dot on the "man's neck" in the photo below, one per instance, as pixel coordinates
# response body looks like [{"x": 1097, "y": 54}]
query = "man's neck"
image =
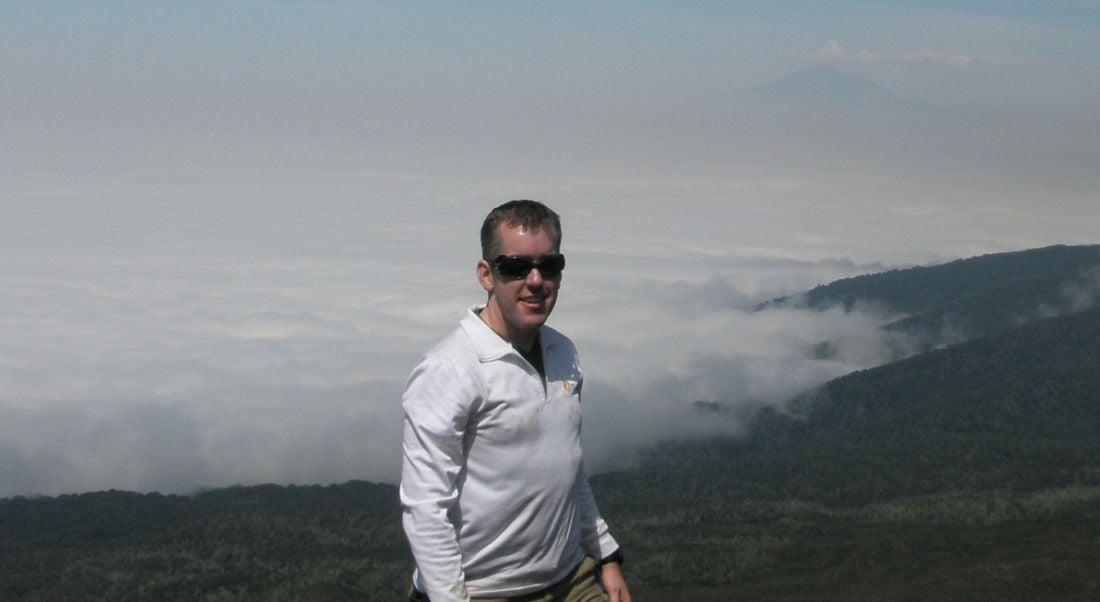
[
  {"x": 534, "y": 357},
  {"x": 523, "y": 341}
]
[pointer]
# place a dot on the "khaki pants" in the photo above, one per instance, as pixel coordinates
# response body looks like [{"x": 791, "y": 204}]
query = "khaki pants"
[{"x": 578, "y": 586}]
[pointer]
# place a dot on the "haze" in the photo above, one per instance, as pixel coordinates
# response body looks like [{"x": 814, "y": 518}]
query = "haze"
[{"x": 228, "y": 228}]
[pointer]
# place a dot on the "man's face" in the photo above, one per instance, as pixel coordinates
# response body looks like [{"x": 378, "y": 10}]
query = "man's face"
[{"x": 518, "y": 307}]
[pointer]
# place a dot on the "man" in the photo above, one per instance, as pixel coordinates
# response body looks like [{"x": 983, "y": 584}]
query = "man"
[{"x": 496, "y": 504}]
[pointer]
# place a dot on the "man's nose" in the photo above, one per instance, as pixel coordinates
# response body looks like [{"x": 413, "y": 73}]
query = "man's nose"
[{"x": 534, "y": 277}]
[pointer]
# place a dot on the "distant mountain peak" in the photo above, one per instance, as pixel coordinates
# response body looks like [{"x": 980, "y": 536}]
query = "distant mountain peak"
[{"x": 828, "y": 86}]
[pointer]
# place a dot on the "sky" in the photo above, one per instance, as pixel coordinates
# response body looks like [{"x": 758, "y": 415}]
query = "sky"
[{"x": 229, "y": 228}]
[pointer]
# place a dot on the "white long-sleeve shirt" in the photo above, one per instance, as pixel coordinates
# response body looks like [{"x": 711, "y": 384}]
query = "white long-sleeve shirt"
[{"x": 494, "y": 496}]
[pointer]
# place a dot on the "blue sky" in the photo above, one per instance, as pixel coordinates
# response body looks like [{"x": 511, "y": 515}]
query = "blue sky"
[
  {"x": 371, "y": 83},
  {"x": 220, "y": 216},
  {"x": 689, "y": 42}
]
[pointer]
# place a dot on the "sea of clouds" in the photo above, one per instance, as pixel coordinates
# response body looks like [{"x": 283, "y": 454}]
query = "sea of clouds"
[
  {"x": 164, "y": 345},
  {"x": 185, "y": 311}
]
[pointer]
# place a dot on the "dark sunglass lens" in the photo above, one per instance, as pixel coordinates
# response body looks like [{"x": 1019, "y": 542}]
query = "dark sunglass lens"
[
  {"x": 518, "y": 267},
  {"x": 514, "y": 267},
  {"x": 552, "y": 265}
]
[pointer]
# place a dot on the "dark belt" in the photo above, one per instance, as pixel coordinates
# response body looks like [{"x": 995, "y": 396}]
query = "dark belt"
[{"x": 416, "y": 595}]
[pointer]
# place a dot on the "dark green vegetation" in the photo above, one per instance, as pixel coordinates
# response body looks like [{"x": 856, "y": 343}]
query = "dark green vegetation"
[
  {"x": 968, "y": 298},
  {"x": 972, "y": 472},
  {"x": 1019, "y": 410},
  {"x": 969, "y": 472},
  {"x": 990, "y": 546},
  {"x": 268, "y": 542}
]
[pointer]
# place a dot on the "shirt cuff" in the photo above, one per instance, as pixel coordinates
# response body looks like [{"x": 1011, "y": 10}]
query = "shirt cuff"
[{"x": 616, "y": 557}]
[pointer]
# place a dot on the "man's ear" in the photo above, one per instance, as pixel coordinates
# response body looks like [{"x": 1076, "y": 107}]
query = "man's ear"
[{"x": 485, "y": 275}]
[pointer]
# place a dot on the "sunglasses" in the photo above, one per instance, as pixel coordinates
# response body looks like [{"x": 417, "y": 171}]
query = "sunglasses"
[{"x": 517, "y": 267}]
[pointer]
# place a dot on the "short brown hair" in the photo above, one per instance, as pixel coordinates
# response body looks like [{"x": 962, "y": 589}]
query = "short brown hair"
[{"x": 524, "y": 214}]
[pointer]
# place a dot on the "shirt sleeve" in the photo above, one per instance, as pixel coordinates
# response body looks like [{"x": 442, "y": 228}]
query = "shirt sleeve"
[
  {"x": 596, "y": 539},
  {"x": 438, "y": 403}
]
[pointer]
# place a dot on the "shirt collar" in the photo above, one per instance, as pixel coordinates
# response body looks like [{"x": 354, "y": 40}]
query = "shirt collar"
[{"x": 491, "y": 346}]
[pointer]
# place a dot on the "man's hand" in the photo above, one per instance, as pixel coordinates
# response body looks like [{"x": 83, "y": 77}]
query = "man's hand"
[{"x": 611, "y": 577}]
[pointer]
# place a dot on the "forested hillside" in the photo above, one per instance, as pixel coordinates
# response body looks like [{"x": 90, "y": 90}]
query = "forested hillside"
[
  {"x": 968, "y": 298},
  {"x": 967, "y": 472},
  {"x": 268, "y": 542},
  {"x": 1019, "y": 410},
  {"x": 972, "y": 471}
]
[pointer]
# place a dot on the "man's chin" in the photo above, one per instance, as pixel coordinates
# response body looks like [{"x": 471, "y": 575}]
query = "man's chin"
[{"x": 533, "y": 320}]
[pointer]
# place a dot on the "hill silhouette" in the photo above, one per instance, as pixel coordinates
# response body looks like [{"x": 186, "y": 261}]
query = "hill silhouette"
[
  {"x": 827, "y": 86},
  {"x": 1019, "y": 410},
  {"x": 967, "y": 298}
]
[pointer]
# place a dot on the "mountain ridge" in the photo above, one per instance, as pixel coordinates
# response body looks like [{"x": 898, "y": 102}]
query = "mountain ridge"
[
  {"x": 831, "y": 87},
  {"x": 966, "y": 298}
]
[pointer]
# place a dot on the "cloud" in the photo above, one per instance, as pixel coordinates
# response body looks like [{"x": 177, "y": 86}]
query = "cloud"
[
  {"x": 288, "y": 435},
  {"x": 1083, "y": 293},
  {"x": 834, "y": 52},
  {"x": 936, "y": 56},
  {"x": 223, "y": 271},
  {"x": 136, "y": 372},
  {"x": 1077, "y": 295},
  {"x": 676, "y": 359},
  {"x": 151, "y": 345},
  {"x": 174, "y": 329}
]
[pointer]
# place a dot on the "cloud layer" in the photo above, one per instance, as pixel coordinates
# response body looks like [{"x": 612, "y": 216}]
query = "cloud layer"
[
  {"x": 181, "y": 368},
  {"x": 228, "y": 229}
]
